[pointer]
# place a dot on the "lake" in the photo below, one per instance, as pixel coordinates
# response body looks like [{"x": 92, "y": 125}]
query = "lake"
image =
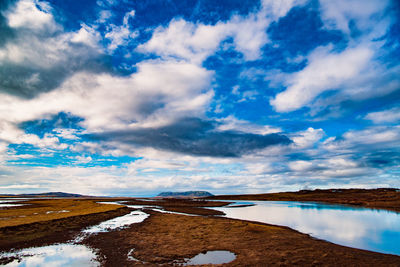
[{"x": 370, "y": 229}]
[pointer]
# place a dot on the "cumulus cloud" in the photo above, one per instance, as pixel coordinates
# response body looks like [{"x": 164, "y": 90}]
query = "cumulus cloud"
[
  {"x": 350, "y": 74},
  {"x": 185, "y": 40},
  {"x": 32, "y": 15},
  {"x": 308, "y": 138},
  {"x": 161, "y": 116},
  {"x": 326, "y": 70},
  {"x": 181, "y": 89},
  {"x": 196, "y": 41},
  {"x": 41, "y": 55}
]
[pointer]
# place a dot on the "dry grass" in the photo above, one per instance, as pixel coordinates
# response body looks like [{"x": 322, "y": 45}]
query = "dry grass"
[
  {"x": 163, "y": 238},
  {"x": 50, "y": 209},
  {"x": 382, "y": 198}
]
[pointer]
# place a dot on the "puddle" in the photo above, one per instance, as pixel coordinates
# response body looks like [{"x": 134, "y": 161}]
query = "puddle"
[
  {"x": 11, "y": 202},
  {"x": 131, "y": 258},
  {"x": 55, "y": 255},
  {"x": 240, "y": 204},
  {"x": 71, "y": 254},
  {"x": 11, "y": 205},
  {"x": 57, "y": 211},
  {"x": 174, "y": 212},
  {"x": 147, "y": 199},
  {"x": 211, "y": 257},
  {"x": 13, "y": 199},
  {"x": 119, "y": 222}
]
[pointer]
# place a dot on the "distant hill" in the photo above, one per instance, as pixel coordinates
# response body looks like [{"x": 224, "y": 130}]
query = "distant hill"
[
  {"x": 47, "y": 194},
  {"x": 187, "y": 194}
]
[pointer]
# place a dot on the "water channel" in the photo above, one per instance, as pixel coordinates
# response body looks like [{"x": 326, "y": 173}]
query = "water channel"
[{"x": 370, "y": 229}]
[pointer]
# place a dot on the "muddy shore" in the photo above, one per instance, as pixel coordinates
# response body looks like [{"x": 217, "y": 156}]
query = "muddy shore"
[
  {"x": 382, "y": 198},
  {"x": 52, "y": 231},
  {"x": 168, "y": 238},
  {"x": 194, "y": 207}
]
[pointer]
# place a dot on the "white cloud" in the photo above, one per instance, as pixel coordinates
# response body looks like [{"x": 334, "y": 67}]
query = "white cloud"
[
  {"x": 300, "y": 165},
  {"x": 196, "y": 41},
  {"x": 326, "y": 70},
  {"x": 104, "y": 15},
  {"x": 385, "y": 116},
  {"x": 87, "y": 35},
  {"x": 11, "y": 134},
  {"x": 67, "y": 133},
  {"x": 307, "y": 138},
  {"x": 176, "y": 86},
  {"x": 368, "y": 16},
  {"x": 180, "y": 90},
  {"x": 375, "y": 135},
  {"x": 121, "y": 35},
  {"x": 39, "y": 58},
  {"x": 20, "y": 186},
  {"x": 378, "y": 137},
  {"x": 185, "y": 40},
  {"x": 32, "y": 15},
  {"x": 83, "y": 159},
  {"x": 231, "y": 123}
]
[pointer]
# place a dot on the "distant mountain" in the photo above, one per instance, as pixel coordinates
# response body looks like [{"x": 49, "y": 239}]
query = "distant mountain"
[
  {"x": 187, "y": 194},
  {"x": 47, "y": 194}
]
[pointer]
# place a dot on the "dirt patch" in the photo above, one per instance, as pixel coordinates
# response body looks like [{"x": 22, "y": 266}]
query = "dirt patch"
[
  {"x": 382, "y": 198},
  {"x": 166, "y": 238}
]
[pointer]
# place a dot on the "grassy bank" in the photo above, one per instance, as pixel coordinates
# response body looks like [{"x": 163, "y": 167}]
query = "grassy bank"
[
  {"x": 383, "y": 198},
  {"x": 165, "y": 238}
]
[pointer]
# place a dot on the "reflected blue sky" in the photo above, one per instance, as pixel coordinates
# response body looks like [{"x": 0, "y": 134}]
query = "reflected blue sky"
[
  {"x": 375, "y": 230},
  {"x": 55, "y": 255}
]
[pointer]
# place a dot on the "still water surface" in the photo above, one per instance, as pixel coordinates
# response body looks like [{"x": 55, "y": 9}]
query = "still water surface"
[
  {"x": 375, "y": 230},
  {"x": 59, "y": 255},
  {"x": 211, "y": 257}
]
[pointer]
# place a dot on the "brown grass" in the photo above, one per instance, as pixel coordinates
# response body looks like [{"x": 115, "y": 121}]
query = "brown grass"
[
  {"x": 50, "y": 209},
  {"x": 45, "y": 228},
  {"x": 382, "y": 198},
  {"x": 164, "y": 238}
]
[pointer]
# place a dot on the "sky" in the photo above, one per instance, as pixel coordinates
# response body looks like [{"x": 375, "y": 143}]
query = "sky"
[{"x": 131, "y": 98}]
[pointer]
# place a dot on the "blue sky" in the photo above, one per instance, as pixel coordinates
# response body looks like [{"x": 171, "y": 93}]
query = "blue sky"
[{"x": 132, "y": 98}]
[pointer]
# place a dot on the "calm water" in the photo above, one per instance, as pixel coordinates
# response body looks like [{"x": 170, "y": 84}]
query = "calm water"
[
  {"x": 11, "y": 202},
  {"x": 71, "y": 254},
  {"x": 375, "y": 230},
  {"x": 55, "y": 255},
  {"x": 118, "y": 222},
  {"x": 211, "y": 257}
]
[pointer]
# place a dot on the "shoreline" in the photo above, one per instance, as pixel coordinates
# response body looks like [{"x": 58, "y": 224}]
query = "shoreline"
[
  {"x": 164, "y": 238},
  {"x": 167, "y": 238},
  {"x": 380, "y": 199}
]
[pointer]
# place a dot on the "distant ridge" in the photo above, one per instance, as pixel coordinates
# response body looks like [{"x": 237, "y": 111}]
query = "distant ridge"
[
  {"x": 187, "y": 194},
  {"x": 47, "y": 194}
]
